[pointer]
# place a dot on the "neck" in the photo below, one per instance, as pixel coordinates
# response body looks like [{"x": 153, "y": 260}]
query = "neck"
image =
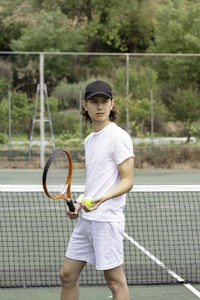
[{"x": 97, "y": 126}]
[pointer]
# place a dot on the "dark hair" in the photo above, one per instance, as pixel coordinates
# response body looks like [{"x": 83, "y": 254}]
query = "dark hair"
[{"x": 112, "y": 116}]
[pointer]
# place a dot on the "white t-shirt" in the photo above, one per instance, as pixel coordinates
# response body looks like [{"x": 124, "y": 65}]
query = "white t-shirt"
[{"x": 104, "y": 150}]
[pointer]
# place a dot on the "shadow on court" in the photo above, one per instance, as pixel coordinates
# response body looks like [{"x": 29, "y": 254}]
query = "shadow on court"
[{"x": 153, "y": 292}]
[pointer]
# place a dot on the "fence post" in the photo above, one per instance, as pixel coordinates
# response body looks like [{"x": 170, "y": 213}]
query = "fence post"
[
  {"x": 152, "y": 117},
  {"x": 42, "y": 129},
  {"x": 80, "y": 108},
  {"x": 9, "y": 115},
  {"x": 127, "y": 92}
]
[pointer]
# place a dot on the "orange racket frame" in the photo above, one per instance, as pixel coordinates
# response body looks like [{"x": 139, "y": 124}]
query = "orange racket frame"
[{"x": 68, "y": 180}]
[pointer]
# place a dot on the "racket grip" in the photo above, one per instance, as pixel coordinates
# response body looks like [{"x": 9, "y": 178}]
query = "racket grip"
[{"x": 71, "y": 206}]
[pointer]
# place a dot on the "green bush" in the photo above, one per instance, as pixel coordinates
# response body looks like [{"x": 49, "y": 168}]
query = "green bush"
[
  {"x": 67, "y": 94},
  {"x": 3, "y": 138},
  {"x": 66, "y": 121},
  {"x": 140, "y": 115},
  {"x": 21, "y": 113}
]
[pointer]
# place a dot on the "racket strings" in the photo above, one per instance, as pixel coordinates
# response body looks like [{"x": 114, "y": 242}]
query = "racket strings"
[{"x": 57, "y": 174}]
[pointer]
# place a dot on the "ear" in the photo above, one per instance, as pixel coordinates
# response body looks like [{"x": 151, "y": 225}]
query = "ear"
[
  {"x": 84, "y": 104},
  {"x": 112, "y": 103}
]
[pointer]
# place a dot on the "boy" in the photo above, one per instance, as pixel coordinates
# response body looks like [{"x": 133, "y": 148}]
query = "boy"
[{"x": 98, "y": 235}]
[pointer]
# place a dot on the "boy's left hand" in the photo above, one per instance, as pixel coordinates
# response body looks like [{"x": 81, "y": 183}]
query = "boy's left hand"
[{"x": 97, "y": 202}]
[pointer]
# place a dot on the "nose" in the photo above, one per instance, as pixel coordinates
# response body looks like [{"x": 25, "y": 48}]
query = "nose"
[{"x": 100, "y": 106}]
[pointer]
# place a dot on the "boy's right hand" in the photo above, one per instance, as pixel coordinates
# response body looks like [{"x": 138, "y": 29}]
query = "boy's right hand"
[{"x": 73, "y": 215}]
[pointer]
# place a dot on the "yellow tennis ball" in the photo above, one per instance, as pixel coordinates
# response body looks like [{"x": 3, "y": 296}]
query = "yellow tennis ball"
[{"x": 88, "y": 201}]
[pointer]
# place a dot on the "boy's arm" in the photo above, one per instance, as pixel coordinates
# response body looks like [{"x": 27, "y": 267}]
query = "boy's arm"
[
  {"x": 126, "y": 180},
  {"x": 126, "y": 183}
]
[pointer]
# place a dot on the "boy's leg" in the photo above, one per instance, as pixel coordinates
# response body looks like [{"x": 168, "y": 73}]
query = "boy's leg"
[
  {"x": 116, "y": 281},
  {"x": 69, "y": 276}
]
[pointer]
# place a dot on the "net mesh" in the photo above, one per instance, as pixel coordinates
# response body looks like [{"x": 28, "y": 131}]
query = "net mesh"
[{"x": 162, "y": 222}]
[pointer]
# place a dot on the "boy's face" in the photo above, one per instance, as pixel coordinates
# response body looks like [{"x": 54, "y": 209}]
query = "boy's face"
[{"x": 98, "y": 108}]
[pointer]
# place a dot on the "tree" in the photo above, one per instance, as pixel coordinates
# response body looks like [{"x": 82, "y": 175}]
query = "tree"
[
  {"x": 5, "y": 78},
  {"x": 14, "y": 16},
  {"x": 136, "y": 26},
  {"x": 119, "y": 26},
  {"x": 48, "y": 32},
  {"x": 185, "y": 106},
  {"x": 141, "y": 80},
  {"x": 140, "y": 114},
  {"x": 78, "y": 10},
  {"x": 176, "y": 30},
  {"x": 21, "y": 112}
]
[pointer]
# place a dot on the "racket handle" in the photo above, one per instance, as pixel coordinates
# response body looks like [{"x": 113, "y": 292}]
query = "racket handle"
[{"x": 71, "y": 205}]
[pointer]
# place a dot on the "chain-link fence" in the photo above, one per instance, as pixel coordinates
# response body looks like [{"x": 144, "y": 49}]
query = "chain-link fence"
[{"x": 41, "y": 93}]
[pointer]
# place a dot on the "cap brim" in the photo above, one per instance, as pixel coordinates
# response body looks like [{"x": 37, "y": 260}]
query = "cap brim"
[{"x": 97, "y": 93}]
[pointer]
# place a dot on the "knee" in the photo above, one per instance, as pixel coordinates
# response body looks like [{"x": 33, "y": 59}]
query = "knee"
[
  {"x": 114, "y": 286},
  {"x": 64, "y": 276},
  {"x": 67, "y": 277}
]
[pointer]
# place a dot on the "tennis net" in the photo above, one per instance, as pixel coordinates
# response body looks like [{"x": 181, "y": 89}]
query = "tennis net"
[{"x": 162, "y": 239}]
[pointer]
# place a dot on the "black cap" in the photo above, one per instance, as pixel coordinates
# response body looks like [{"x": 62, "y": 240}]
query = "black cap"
[{"x": 98, "y": 88}]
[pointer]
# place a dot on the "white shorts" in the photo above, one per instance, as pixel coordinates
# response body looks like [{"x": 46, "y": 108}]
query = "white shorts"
[{"x": 98, "y": 243}]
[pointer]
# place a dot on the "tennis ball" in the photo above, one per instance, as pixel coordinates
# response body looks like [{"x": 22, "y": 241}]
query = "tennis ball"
[{"x": 87, "y": 201}]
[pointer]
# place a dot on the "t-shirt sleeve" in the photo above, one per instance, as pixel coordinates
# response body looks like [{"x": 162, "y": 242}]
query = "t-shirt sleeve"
[{"x": 122, "y": 148}]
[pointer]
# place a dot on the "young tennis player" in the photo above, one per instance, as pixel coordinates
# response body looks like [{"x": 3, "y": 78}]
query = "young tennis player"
[{"x": 98, "y": 235}]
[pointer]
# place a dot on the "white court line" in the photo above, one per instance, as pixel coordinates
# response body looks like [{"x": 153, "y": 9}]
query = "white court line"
[
  {"x": 81, "y": 188},
  {"x": 34, "y": 188},
  {"x": 29, "y": 208},
  {"x": 162, "y": 265}
]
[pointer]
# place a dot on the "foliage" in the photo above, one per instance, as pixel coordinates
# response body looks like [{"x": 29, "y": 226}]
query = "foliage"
[
  {"x": 26, "y": 75},
  {"x": 102, "y": 26},
  {"x": 53, "y": 104},
  {"x": 140, "y": 114},
  {"x": 12, "y": 20},
  {"x": 50, "y": 32},
  {"x": 3, "y": 88},
  {"x": 141, "y": 81},
  {"x": 185, "y": 105},
  {"x": 21, "y": 112},
  {"x": 5, "y": 78},
  {"x": 120, "y": 26},
  {"x": 65, "y": 121},
  {"x": 136, "y": 27},
  {"x": 110, "y": 25},
  {"x": 3, "y": 138},
  {"x": 67, "y": 95},
  {"x": 176, "y": 30},
  {"x": 177, "y": 27}
]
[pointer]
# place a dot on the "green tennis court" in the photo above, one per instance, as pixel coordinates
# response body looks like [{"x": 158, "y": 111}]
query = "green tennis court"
[
  {"x": 177, "y": 233},
  {"x": 161, "y": 292},
  {"x": 33, "y": 176}
]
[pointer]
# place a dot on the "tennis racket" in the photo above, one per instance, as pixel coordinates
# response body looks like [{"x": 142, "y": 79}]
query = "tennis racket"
[{"x": 57, "y": 176}]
